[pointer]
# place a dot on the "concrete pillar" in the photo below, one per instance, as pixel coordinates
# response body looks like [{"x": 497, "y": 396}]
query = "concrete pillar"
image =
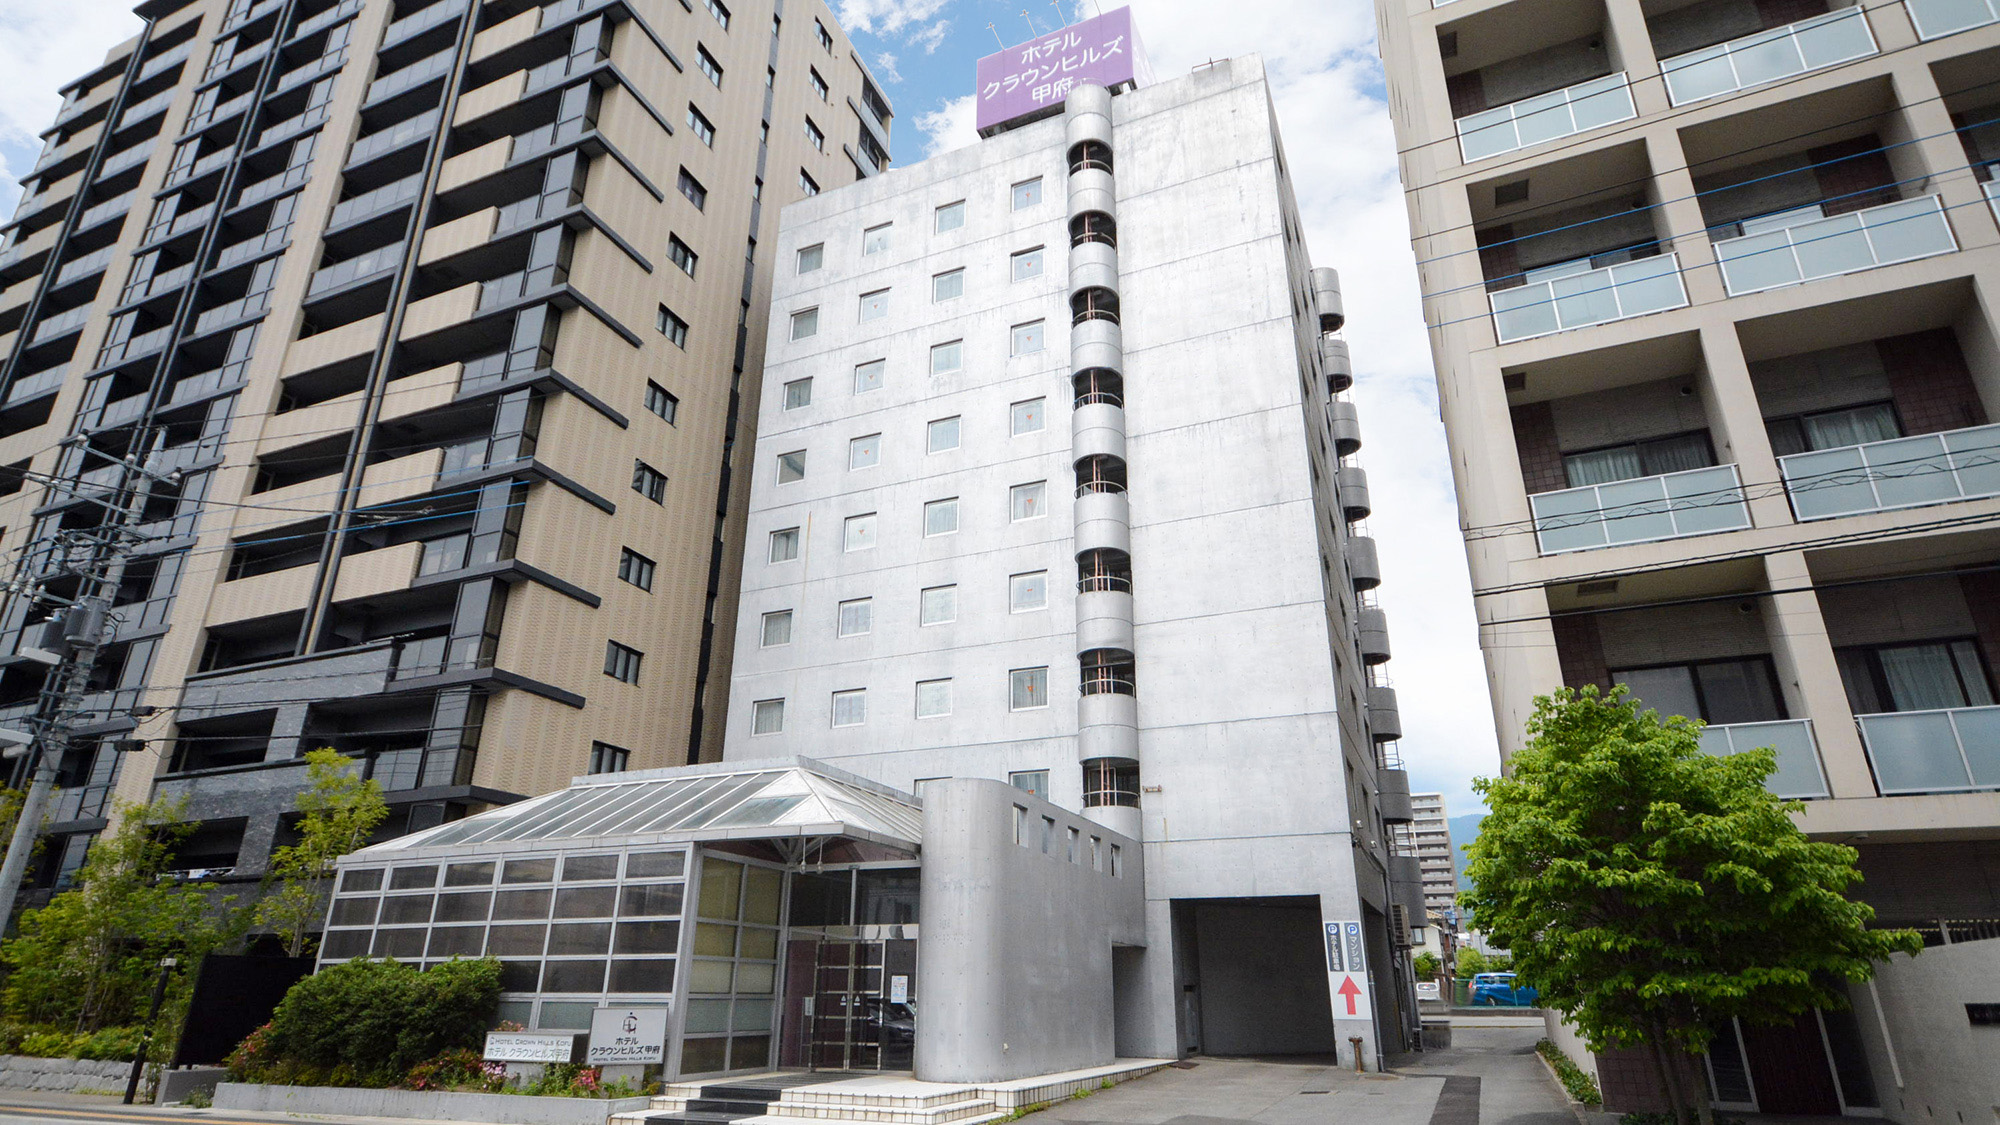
[
  {"x": 1679, "y": 216},
  {"x": 287, "y": 727},
  {"x": 1929, "y": 158},
  {"x": 1736, "y": 423},
  {"x": 1804, "y": 657}
]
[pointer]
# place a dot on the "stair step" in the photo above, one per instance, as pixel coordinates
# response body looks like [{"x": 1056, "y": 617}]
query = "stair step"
[{"x": 729, "y": 1106}]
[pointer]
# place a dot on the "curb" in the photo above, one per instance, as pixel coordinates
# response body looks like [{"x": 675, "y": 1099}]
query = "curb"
[{"x": 1577, "y": 1109}]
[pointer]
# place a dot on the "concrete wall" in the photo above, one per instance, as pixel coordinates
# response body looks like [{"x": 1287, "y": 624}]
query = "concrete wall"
[
  {"x": 25, "y": 1072},
  {"x": 1929, "y": 1063},
  {"x": 1017, "y": 942},
  {"x": 499, "y": 1109}
]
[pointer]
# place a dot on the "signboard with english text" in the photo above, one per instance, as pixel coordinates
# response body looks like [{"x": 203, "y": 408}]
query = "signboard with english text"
[
  {"x": 530, "y": 1047},
  {"x": 1030, "y": 77},
  {"x": 627, "y": 1036}
]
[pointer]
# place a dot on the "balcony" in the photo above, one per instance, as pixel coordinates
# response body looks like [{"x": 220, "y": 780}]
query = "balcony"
[
  {"x": 371, "y": 203},
  {"x": 378, "y": 261},
  {"x": 1545, "y": 117},
  {"x": 1640, "y": 510},
  {"x": 139, "y": 111},
  {"x": 115, "y": 207},
  {"x": 1767, "y": 56},
  {"x": 1943, "y": 751},
  {"x": 1807, "y": 247},
  {"x": 395, "y": 137},
  {"x": 411, "y": 26},
  {"x": 1586, "y": 296},
  {"x": 1798, "y": 776},
  {"x": 1897, "y": 473},
  {"x": 410, "y": 77},
  {"x": 1992, "y": 190},
  {"x": 1935, "y": 18}
]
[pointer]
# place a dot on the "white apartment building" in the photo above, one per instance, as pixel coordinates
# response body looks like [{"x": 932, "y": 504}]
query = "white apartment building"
[{"x": 1429, "y": 834}]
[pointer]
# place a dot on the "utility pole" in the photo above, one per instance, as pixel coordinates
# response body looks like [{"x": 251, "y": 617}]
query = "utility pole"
[{"x": 85, "y": 625}]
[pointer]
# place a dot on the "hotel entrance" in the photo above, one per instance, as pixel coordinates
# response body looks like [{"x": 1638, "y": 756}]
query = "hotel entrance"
[{"x": 851, "y": 1003}]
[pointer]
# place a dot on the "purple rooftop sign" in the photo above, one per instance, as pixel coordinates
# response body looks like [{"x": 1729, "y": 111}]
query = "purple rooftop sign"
[{"x": 1037, "y": 75}]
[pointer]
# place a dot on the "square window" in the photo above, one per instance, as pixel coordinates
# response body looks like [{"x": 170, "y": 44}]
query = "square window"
[
  {"x": 704, "y": 131},
  {"x": 1026, "y": 264},
  {"x": 649, "y": 482},
  {"x": 692, "y": 189},
  {"x": 850, "y": 708},
  {"x": 1027, "y": 193},
  {"x": 812, "y": 257},
  {"x": 791, "y": 466},
  {"x": 784, "y": 545},
  {"x": 858, "y": 534},
  {"x": 857, "y": 617},
  {"x": 933, "y": 698},
  {"x": 941, "y": 517},
  {"x": 864, "y": 452},
  {"x": 1028, "y": 338},
  {"x": 1029, "y": 501},
  {"x": 672, "y": 327},
  {"x": 943, "y": 435},
  {"x": 875, "y": 305},
  {"x": 621, "y": 662},
  {"x": 635, "y": 568},
  {"x": 951, "y": 216},
  {"x": 805, "y": 323},
  {"x": 1027, "y": 689},
  {"x": 1026, "y": 592},
  {"x": 947, "y": 286},
  {"x": 682, "y": 255},
  {"x": 606, "y": 758},
  {"x": 777, "y": 628},
  {"x": 868, "y": 376},
  {"x": 662, "y": 402},
  {"x": 875, "y": 239},
  {"x": 1031, "y": 781},
  {"x": 1028, "y": 416},
  {"x": 798, "y": 393},
  {"x": 939, "y": 606},
  {"x": 944, "y": 357},
  {"x": 767, "y": 716},
  {"x": 814, "y": 137}
]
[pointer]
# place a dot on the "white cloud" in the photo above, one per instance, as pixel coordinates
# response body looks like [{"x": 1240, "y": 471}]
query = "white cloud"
[
  {"x": 930, "y": 37},
  {"x": 42, "y": 46},
  {"x": 885, "y": 17},
  {"x": 951, "y": 125},
  {"x": 885, "y": 66}
]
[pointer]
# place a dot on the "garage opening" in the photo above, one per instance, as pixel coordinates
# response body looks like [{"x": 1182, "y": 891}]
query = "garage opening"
[{"x": 1253, "y": 976}]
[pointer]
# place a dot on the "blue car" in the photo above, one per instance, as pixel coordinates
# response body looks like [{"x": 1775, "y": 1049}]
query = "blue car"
[{"x": 1499, "y": 990}]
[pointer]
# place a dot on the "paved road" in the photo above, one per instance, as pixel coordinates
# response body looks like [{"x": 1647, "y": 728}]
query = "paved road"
[{"x": 18, "y": 1107}]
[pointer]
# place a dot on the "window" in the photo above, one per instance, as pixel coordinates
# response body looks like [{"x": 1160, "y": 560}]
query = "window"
[
  {"x": 706, "y": 63},
  {"x": 1027, "y": 592},
  {"x": 1027, "y": 338},
  {"x": 814, "y": 137},
  {"x": 850, "y": 708},
  {"x": 864, "y": 452},
  {"x": 635, "y": 568},
  {"x": 1027, "y": 193},
  {"x": 767, "y": 716},
  {"x": 692, "y": 189},
  {"x": 933, "y": 698},
  {"x": 812, "y": 257},
  {"x": 875, "y": 239},
  {"x": 791, "y": 466},
  {"x": 784, "y": 545},
  {"x": 805, "y": 323},
  {"x": 799, "y": 392},
  {"x": 944, "y": 357},
  {"x": 1831, "y": 429},
  {"x": 622, "y": 663},
  {"x": 951, "y": 216},
  {"x": 606, "y": 758},
  {"x": 875, "y": 305},
  {"x": 682, "y": 255},
  {"x": 1639, "y": 459},
  {"x": 941, "y": 517},
  {"x": 671, "y": 326},
  {"x": 1031, "y": 781},
  {"x": 1027, "y": 689},
  {"x": 868, "y": 376},
  {"x": 649, "y": 482},
  {"x": 1717, "y": 691},
  {"x": 825, "y": 38},
  {"x": 777, "y": 628},
  {"x": 1029, "y": 500},
  {"x": 661, "y": 401},
  {"x": 817, "y": 83},
  {"x": 1026, "y": 264},
  {"x": 857, "y": 617},
  {"x": 944, "y": 435},
  {"x": 1930, "y": 676},
  {"x": 1028, "y": 416},
  {"x": 807, "y": 184},
  {"x": 858, "y": 533},
  {"x": 704, "y": 130},
  {"x": 947, "y": 286},
  {"x": 939, "y": 606},
  {"x": 1117, "y": 861}
]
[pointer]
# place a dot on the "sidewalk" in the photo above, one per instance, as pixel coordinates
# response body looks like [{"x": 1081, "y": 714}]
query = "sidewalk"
[{"x": 47, "y": 1107}]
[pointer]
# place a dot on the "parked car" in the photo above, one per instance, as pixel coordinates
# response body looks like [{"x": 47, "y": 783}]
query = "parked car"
[{"x": 1500, "y": 990}]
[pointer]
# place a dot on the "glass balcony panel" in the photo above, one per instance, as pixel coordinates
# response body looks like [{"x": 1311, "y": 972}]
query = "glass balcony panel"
[
  {"x": 1912, "y": 470},
  {"x": 1487, "y": 134},
  {"x": 1979, "y": 737},
  {"x": 1901, "y": 472},
  {"x": 1692, "y": 502},
  {"x": 1975, "y": 458},
  {"x": 1834, "y": 38},
  {"x": 1699, "y": 74},
  {"x": 1798, "y": 776},
  {"x": 1892, "y": 232},
  {"x": 1524, "y": 311},
  {"x": 1585, "y": 298},
  {"x": 1633, "y": 288},
  {"x": 1831, "y": 246},
  {"x": 1543, "y": 117},
  {"x": 1635, "y": 510},
  {"x": 1601, "y": 101},
  {"x": 1705, "y": 501},
  {"x": 1943, "y": 17},
  {"x": 1933, "y": 751}
]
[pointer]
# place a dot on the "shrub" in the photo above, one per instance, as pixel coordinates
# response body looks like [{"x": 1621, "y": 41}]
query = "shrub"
[
  {"x": 1581, "y": 1086},
  {"x": 456, "y": 1068},
  {"x": 370, "y": 1022},
  {"x": 113, "y": 1043},
  {"x": 46, "y": 1044}
]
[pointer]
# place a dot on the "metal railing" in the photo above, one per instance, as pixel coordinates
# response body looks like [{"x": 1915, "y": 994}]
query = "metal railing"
[
  {"x": 1947, "y": 750},
  {"x": 220, "y": 111},
  {"x": 1935, "y": 18},
  {"x": 310, "y": 119},
  {"x": 378, "y": 260},
  {"x": 109, "y": 209},
  {"x": 81, "y": 267},
  {"x": 1599, "y": 296},
  {"x": 291, "y": 179},
  {"x": 306, "y": 72},
  {"x": 255, "y": 304},
  {"x": 370, "y": 203},
  {"x": 411, "y": 76},
  {"x": 1640, "y": 510},
  {"x": 1902, "y": 231},
  {"x": 139, "y": 111},
  {"x": 1798, "y": 776},
  {"x": 421, "y": 21},
  {"x": 41, "y": 382},
  {"x": 131, "y": 157},
  {"x": 185, "y": 172},
  {"x": 1767, "y": 56},
  {"x": 346, "y": 9},
  {"x": 395, "y": 137},
  {"x": 50, "y": 327},
  {"x": 1896, "y": 473},
  {"x": 1545, "y": 117}
]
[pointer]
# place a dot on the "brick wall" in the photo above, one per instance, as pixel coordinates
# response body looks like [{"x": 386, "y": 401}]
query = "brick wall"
[
  {"x": 1982, "y": 597},
  {"x": 1627, "y": 1078},
  {"x": 1852, "y": 175},
  {"x": 1778, "y": 13},
  {"x": 1930, "y": 383},
  {"x": 1499, "y": 255},
  {"x": 1535, "y": 442},
  {"x": 1580, "y": 650},
  {"x": 1467, "y": 92}
]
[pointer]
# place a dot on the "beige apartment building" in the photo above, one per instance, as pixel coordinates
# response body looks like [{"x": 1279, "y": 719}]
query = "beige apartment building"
[
  {"x": 1713, "y": 290},
  {"x": 436, "y": 326}
]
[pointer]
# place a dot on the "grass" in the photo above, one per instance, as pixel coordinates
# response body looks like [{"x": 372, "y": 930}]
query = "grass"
[
  {"x": 1076, "y": 1095},
  {"x": 1580, "y": 1085}
]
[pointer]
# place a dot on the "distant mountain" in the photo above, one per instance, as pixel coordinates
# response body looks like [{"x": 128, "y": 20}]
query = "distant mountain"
[{"x": 1464, "y": 830}]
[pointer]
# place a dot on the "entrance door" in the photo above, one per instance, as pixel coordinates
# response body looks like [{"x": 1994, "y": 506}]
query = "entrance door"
[
  {"x": 862, "y": 1014},
  {"x": 1789, "y": 1068}
]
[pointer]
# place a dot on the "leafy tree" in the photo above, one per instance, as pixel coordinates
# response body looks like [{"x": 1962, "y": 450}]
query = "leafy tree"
[
  {"x": 340, "y": 809},
  {"x": 1427, "y": 965},
  {"x": 1471, "y": 962},
  {"x": 1647, "y": 888}
]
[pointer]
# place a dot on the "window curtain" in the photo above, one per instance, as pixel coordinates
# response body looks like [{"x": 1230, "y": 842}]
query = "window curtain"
[
  {"x": 1676, "y": 454},
  {"x": 1921, "y": 677},
  {"x": 1855, "y": 426},
  {"x": 1603, "y": 466}
]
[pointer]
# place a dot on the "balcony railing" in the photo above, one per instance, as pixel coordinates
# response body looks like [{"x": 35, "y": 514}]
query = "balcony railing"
[
  {"x": 137, "y": 154},
  {"x": 291, "y": 179},
  {"x": 139, "y": 111},
  {"x": 79, "y": 268},
  {"x": 411, "y": 76},
  {"x": 311, "y": 118},
  {"x": 1641, "y": 510},
  {"x": 419, "y": 22},
  {"x": 371, "y": 203},
  {"x": 41, "y": 382},
  {"x": 1608, "y": 293},
  {"x": 111, "y": 208},
  {"x": 389, "y": 140},
  {"x": 1798, "y": 776},
  {"x": 1767, "y": 56},
  {"x": 1810, "y": 249},
  {"x": 60, "y": 324},
  {"x": 1942, "y": 751},
  {"x": 306, "y": 72},
  {"x": 379, "y": 260},
  {"x": 1897, "y": 473},
  {"x": 1545, "y": 117},
  {"x": 1992, "y": 190},
  {"x": 346, "y": 9},
  {"x": 1943, "y": 17}
]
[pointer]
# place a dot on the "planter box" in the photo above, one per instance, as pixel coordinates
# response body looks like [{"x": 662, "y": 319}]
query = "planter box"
[{"x": 499, "y": 1109}]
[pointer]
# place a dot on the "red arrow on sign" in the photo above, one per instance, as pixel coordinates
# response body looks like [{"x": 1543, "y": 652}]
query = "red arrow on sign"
[{"x": 1350, "y": 990}]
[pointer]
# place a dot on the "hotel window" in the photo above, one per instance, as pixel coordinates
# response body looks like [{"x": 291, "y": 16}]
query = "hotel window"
[
  {"x": 1831, "y": 429},
  {"x": 1031, "y": 781},
  {"x": 1028, "y": 592},
  {"x": 939, "y": 606},
  {"x": 944, "y": 357},
  {"x": 868, "y": 376},
  {"x": 784, "y": 545},
  {"x": 874, "y": 305},
  {"x": 951, "y": 216},
  {"x": 812, "y": 257},
  {"x": 1027, "y": 689},
  {"x": 635, "y": 568},
  {"x": 798, "y": 393},
  {"x": 817, "y": 83},
  {"x": 692, "y": 189},
  {"x": 1026, "y": 264},
  {"x": 825, "y": 38},
  {"x": 1027, "y": 193},
  {"x": 1028, "y": 501},
  {"x": 1028, "y": 416},
  {"x": 947, "y": 286},
  {"x": 767, "y": 716},
  {"x": 864, "y": 452},
  {"x": 791, "y": 466},
  {"x": 858, "y": 533},
  {"x": 720, "y": 13},
  {"x": 682, "y": 255},
  {"x": 857, "y": 617},
  {"x": 805, "y": 323},
  {"x": 606, "y": 758},
  {"x": 933, "y": 699},
  {"x": 706, "y": 63},
  {"x": 1930, "y": 676},
  {"x": 661, "y": 401},
  {"x": 672, "y": 327},
  {"x": 1744, "y": 690},
  {"x": 777, "y": 629},
  {"x": 621, "y": 662},
  {"x": 704, "y": 130},
  {"x": 875, "y": 239},
  {"x": 850, "y": 708},
  {"x": 807, "y": 184},
  {"x": 943, "y": 435},
  {"x": 649, "y": 482},
  {"x": 941, "y": 517},
  {"x": 1117, "y": 862},
  {"x": 814, "y": 137},
  {"x": 1027, "y": 338},
  {"x": 1649, "y": 458}
]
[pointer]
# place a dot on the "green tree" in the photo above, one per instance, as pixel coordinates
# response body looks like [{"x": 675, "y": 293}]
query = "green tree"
[
  {"x": 1647, "y": 888},
  {"x": 1471, "y": 962},
  {"x": 339, "y": 810},
  {"x": 1427, "y": 965}
]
